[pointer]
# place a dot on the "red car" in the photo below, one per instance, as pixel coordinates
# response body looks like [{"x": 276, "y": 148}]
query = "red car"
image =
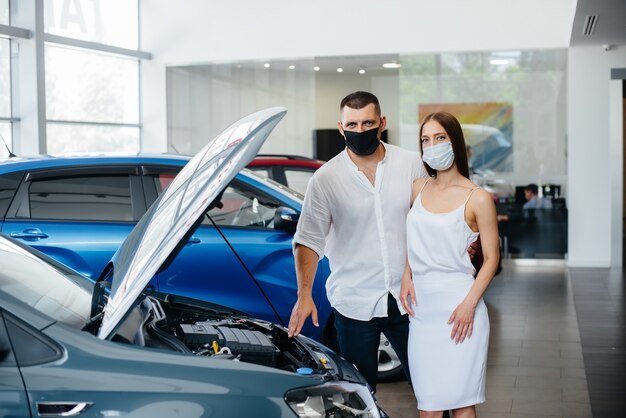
[{"x": 291, "y": 170}]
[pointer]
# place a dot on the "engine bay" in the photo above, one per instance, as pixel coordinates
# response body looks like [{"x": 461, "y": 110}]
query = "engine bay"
[{"x": 176, "y": 325}]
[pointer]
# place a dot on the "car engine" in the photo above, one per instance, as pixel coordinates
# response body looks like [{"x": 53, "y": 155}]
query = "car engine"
[{"x": 175, "y": 324}]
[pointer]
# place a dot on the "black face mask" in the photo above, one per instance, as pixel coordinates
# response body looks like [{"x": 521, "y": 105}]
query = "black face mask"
[{"x": 362, "y": 143}]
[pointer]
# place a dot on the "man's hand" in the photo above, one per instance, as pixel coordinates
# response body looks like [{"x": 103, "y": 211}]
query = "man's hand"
[
  {"x": 474, "y": 248},
  {"x": 303, "y": 308}
]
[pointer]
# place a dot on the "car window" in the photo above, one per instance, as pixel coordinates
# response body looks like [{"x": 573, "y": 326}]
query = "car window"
[
  {"x": 240, "y": 205},
  {"x": 97, "y": 198},
  {"x": 244, "y": 207},
  {"x": 8, "y": 185},
  {"x": 298, "y": 180},
  {"x": 261, "y": 171}
]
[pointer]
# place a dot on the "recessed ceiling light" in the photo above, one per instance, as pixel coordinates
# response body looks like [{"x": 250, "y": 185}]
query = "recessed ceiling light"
[
  {"x": 316, "y": 68},
  {"x": 292, "y": 67},
  {"x": 499, "y": 61},
  {"x": 267, "y": 65},
  {"x": 391, "y": 65},
  {"x": 340, "y": 70},
  {"x": 361, "y": 71}
]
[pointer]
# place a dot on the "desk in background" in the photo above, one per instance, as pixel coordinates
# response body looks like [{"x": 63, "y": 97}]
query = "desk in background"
[{"x": 533, "y": 233}]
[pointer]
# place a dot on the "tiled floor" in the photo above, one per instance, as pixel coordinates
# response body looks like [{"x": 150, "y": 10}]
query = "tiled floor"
[
  {"x": 601, "y": 309},
  {"x": 535, "y": 366}
]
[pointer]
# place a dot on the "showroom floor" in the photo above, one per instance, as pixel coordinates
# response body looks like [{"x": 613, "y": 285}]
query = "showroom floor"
[{"x": 544, "y": 320}]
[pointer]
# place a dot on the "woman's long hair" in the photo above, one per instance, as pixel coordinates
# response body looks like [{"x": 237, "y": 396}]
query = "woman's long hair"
[{"x": 455, "y": 133}]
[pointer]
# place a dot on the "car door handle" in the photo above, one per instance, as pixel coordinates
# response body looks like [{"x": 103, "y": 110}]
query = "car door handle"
[
  {"x": 62, "y": 409},
  {"x": 30, "y": 234}
]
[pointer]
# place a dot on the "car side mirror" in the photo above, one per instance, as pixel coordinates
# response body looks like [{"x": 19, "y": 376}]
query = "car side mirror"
[{"x": 286, "y": 219}]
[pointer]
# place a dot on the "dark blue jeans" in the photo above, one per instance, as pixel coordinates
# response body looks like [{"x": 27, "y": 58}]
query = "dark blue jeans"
[{"x": 359, "y": 340}]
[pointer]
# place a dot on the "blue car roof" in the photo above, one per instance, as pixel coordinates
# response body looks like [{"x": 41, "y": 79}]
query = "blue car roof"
[{"x": 46, "y": 161}]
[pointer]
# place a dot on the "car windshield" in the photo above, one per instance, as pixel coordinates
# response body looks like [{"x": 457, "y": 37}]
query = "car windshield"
[
  {"x": 273, "y": 183},
  {"x": 44, "y": 284}
]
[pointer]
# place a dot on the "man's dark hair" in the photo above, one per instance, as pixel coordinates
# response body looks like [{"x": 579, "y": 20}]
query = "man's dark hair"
[
  {"x": 453, "y": 128},
  {"x": 532, "y": 187},
  {"x": 360, "y": 99}
]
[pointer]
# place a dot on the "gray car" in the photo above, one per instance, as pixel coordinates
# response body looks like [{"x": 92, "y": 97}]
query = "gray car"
[{"x": 69, "y": 347}]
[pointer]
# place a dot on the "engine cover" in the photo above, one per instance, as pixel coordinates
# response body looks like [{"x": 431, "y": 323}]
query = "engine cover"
[{"x": 251, "y": 345}]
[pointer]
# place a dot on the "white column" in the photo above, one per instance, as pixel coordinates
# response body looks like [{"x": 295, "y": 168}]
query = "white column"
[
  {"x": 28, "y": 79},
  {"x": 153, "y": 101},
  {"x": 616, "y": 135}
]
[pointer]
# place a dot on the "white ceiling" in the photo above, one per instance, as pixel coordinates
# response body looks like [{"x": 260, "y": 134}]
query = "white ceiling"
[
  {"x": 610, "y": 26},
  {"x": 202, "y": 32}
]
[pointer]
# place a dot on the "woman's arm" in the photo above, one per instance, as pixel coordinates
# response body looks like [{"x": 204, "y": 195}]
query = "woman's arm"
[
  {"x": 407, "y": 291},
  {"x": 483, "y": 210}
]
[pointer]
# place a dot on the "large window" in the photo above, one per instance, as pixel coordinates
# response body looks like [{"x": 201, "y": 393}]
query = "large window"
[
  {"x": 511, "y": 105},
  {"x": 4, "y": 12},
  {"x": 90, "y": 70},
  {"x": 92, "y": 96},
  {"x": 5, "y": 93},
  {"x": 110, "y": 22},
  {"x": 92, "y": 101}
]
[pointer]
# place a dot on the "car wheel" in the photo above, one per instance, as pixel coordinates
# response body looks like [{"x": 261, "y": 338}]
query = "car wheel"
[{"x": 389, "y": 366}]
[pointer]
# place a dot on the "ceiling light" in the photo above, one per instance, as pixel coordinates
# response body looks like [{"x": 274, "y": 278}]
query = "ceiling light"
[
  {"x": 340, "y": 70},
  {"x": 361, "y": 71},
  {"x": 316, "y": 68},
  {"x": 499, "y": 61},
  {"x": 266, "y": 65},
  {"x": 393, "y": 64},
  {"x": 292, "y": 67}
]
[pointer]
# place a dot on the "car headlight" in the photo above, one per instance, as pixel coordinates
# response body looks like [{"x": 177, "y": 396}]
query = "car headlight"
[{"x": 333, "y": 400}]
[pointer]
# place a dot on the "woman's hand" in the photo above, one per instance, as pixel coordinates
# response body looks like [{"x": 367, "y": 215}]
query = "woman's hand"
[
  {"x": 407, "y": 294},
  {"x": 463, "y": 320}
]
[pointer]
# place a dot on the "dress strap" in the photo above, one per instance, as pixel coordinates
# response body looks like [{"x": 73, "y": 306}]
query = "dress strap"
[
  {"x": 423, "y": 185},
  {"x": 470, "y": 195}
]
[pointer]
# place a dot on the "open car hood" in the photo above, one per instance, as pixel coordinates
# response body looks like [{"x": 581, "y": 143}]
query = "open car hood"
[{"x": 168, "y": 221}]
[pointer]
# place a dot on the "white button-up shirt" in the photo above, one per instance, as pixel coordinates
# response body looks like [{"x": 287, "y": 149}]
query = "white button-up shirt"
[{"x": 361, "y": 228}]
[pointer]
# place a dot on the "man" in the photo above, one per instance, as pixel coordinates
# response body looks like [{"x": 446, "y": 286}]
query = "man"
[
  {"x": 533, "y": 201},
  {"x": 354, "y": 212}
]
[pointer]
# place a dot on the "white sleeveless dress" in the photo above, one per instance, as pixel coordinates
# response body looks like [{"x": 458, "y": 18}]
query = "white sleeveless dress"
[{"x": 445, "y": 375}]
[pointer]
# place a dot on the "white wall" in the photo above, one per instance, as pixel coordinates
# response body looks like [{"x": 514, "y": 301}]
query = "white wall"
[{"x": 591, "y": 201}]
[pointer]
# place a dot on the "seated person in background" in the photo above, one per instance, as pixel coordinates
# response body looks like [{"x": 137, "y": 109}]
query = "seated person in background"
[{"x": 533, "y": 201}]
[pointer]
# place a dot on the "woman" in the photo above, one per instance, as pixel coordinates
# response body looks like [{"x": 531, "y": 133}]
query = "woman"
[{"x": 449, "y": 325}]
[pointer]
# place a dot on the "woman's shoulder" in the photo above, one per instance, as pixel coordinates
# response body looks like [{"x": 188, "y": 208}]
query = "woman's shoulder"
[{"x": 480, "y": 197}]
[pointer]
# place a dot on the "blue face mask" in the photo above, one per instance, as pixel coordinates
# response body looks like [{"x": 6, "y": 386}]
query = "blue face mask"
[{"x": 439, "y": 157}]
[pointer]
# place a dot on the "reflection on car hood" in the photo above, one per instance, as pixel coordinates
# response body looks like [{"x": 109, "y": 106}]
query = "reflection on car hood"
[{"x": 173, "y": 214}]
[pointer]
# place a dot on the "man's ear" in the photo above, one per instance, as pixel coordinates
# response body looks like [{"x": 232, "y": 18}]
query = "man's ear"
[
  {"x": 383, "y": 125},
  {"x": 340, "y": 127}
]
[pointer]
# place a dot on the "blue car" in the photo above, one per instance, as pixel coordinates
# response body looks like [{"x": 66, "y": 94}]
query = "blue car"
[
  {"x": 79, "y": 210},
  {"x": 69, "y": 347}
]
